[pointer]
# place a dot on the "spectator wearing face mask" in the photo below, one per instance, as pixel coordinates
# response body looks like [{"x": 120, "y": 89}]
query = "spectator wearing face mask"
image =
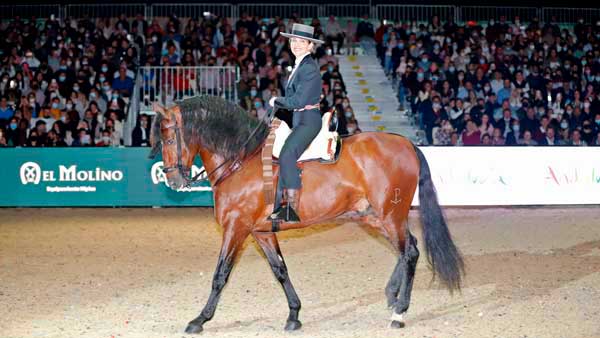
[
  {"x": 514, "y": 136},
  {"x": 83, "y": 139},
  {"x": 105, "y": 140},
  {"x": 55, "y": 140}
]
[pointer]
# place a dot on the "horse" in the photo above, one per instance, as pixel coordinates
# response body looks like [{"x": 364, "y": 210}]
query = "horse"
[{"x": 373, "y": 181}]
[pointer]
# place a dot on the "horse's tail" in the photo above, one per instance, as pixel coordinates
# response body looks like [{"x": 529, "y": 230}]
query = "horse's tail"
[{"x": 442, "y": 254}]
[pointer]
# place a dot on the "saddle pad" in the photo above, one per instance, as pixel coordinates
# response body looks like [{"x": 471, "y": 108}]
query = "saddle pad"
[{"x": 324, "y": 145}]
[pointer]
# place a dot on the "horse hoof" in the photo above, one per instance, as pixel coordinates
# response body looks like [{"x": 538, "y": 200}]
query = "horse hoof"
[
  {"x": 397, "y": 324},
  {"x": 193, "y": 328},
  {"x": 293, "y": 325}
]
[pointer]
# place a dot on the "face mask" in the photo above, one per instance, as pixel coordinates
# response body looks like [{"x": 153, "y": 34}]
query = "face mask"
[
  {"x": 69, "y": 106},
  {"x": 345, "y": 104},
  {"x": 420, "y": 76},
  {"x": 437, "y": 106},
  {"x": 257, "y": 104},
  {"x": 92, "y": 96},
  {"x": 102, "y": 79},
  {"x": 586, "y": 105},
  {"x": 106, "y": 88},
  {"x": 85, "y": 139},
  {"x": 348, "y": 114},
  {"x": 583, "y": 62},
  {"x": 154, "y": 38},
  {"x": 452, "y": 69},
  {"x": 106, "y": 139},
  {"x": 115, "y": 96},
  {"x": 253, "y": 92},
  {"x": 401, "y": 45},
  {"x": 486, "y": 88},
  {"x": 461, "y": 77},
  {"x": 351, "y": 130},
  {"x": 63, "y": 118},
  {"x": 54, "y": 105},
  {"x": 104, "y": 69},
  {"x": 516, "y": 128},
  {"x": 62, "y": 78},
  {"x": 76, "y": 88},
  {"x": 564, "y": 125},
  {"x": 330, "y": 69},
  {"x": 63, "y": 67},
  {"x": 13, "y": 126},
  {"x": 424, "y": 60},
  {"x": 597, "y": 122}
]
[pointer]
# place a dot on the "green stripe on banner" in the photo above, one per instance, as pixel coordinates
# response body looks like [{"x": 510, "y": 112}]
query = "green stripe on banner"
[{"x": 91, "y": 177}]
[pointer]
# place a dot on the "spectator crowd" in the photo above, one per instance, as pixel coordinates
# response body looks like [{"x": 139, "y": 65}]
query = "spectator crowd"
[
  {"x": 505, "y": 83},
  {"x": 69, "y": 83}
]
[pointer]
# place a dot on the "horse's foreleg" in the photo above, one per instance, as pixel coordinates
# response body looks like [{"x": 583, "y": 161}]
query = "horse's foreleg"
[
  {"x": 232, "y": 243},
  {"x": 270, "y": 246}
]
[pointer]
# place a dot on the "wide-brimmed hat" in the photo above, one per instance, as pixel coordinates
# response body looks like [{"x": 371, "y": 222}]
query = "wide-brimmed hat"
[{"x": 303, "y": 32}]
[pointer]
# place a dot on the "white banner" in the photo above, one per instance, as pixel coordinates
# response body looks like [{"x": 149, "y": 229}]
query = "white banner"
[{"x": 514, "y": 175}]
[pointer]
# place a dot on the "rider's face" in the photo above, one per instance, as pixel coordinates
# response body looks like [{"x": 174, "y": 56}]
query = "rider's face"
[{"x": 300, "y": 46}]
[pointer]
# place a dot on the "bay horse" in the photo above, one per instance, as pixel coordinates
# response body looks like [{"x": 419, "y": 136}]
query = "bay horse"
[{"x": 373, "y": 181}]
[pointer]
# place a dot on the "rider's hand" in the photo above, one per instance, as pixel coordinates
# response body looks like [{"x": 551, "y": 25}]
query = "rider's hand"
[{"x": 272, "y": 101}]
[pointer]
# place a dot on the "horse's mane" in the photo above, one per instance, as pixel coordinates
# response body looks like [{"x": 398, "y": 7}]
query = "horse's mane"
[{"x": 220, "y": 126}]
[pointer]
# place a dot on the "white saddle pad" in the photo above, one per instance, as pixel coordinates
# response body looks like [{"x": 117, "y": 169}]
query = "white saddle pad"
[{"x": 322, "y": 147}]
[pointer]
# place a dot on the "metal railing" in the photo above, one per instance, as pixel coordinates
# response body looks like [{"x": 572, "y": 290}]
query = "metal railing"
[
  {"x": 421, "y": 13},
  {"x": 484, "y": 14},
  {"x": 104, "y": 10},
  {"x": 399, "y": 12},
  {"x": 168, "y": 84},
  {"x": 29, "y": 11},
  {"x": 343, "y": 10},
  {"x": 282, "y": 10},
  {"x": 571, "y": 15},
  {"x": 195, "y": 10}
]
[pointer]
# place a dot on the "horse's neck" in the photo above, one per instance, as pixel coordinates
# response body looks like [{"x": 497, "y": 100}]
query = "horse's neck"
[{"x": 211, "y": 161}]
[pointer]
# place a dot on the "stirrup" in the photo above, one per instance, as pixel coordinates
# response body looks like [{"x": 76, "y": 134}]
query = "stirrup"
[{"x": 285, "y": 214}]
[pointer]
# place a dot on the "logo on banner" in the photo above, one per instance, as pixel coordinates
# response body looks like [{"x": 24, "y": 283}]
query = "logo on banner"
[
  {"x": 158, "y": 176},
  {"x": 32, "y": 173}
]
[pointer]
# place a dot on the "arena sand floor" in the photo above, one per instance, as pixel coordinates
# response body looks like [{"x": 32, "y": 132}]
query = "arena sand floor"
[{"x": 531, "y": 272}]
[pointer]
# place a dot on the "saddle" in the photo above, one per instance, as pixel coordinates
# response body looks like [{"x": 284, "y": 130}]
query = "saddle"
[{"x": 325, "y": 148}]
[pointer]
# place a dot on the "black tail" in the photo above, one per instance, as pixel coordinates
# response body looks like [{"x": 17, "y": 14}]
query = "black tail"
[{"x": 442, "y": 254}]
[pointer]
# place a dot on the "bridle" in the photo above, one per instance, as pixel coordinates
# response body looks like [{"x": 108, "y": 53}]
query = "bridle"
[{"x": 234, "y": 163}]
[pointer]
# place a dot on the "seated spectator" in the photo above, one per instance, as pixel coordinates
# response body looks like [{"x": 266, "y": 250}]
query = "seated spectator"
[
  {"x": 83, "y": 139},
  {"x": 576, "y": 139},
  {"x": 486, "y": 140},
  {"x": 141, "y": 133},
  {"x": 550, "y": 138},
  {"x": 471, "y": 136},
  {"x": 105, "y": 140},
  {"x": 527, "y": 139},
  {"x": 55, "y": 140},
  {"x": 6, "y": 112},
  {"x": 497, "y": 138},
  {"x": 123, "y": 83}
]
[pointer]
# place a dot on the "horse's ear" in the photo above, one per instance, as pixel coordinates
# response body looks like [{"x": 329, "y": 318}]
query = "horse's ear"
[{"x": 158, "y": 109}]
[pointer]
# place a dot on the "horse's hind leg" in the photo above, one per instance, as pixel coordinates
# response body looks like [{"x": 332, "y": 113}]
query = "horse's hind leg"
[
  {"x": 391, "y": 220},
  {"x": 401, "y": 281},
  {"x": 270, "y": 246}
]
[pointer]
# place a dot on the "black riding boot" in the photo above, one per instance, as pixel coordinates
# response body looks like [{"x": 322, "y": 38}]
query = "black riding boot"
[{"x": 286, "y": 212}]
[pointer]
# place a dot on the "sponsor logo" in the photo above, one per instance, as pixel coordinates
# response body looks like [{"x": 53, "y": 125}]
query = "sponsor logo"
[
  {"x": 158, "y": 176},
  {"x": 32, "y": 173}
]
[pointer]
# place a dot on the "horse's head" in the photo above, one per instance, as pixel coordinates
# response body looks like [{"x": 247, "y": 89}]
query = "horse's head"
[{"x": 167, "y": 132}]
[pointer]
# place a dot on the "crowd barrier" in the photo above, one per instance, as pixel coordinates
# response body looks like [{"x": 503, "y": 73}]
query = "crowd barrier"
[
  {"x": 98, "y": 177},
  {"x": 468, "y": 176},
  {"x": 395, "y": 12}
]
